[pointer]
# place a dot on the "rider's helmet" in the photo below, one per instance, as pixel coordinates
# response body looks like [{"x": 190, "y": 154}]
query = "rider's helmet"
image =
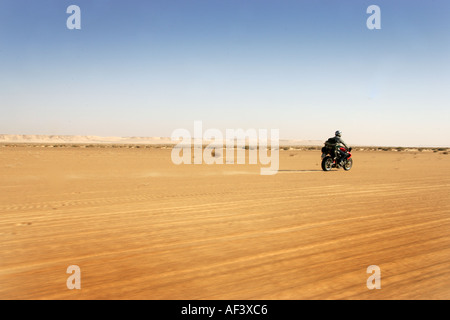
[{"x": 338, "y": 133}]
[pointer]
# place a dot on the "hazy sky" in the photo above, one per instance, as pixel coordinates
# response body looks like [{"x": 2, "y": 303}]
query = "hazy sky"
[{"x": 307, "y": 68}]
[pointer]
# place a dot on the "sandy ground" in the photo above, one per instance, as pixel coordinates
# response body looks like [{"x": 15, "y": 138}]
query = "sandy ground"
[{"x": 140, "y": 227}]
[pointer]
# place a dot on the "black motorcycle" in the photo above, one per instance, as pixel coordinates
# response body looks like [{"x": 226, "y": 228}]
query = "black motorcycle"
[{"x": 330, "y": 156}]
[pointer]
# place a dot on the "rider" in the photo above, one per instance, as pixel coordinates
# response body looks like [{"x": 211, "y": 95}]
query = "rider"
[{"x": 342, "y": 155}]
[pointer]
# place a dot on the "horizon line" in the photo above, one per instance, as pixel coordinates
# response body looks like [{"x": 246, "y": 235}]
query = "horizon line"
[{"x": 169, "y": 140}]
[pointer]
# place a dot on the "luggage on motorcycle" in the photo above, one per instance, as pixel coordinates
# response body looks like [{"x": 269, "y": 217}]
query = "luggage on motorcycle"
[
  {"x": 331, "y": 142},
  {"x": 330, "y": 145}
]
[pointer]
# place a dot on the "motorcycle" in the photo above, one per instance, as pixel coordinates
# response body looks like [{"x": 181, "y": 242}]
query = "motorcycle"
[{"x": 330, "y": 157}]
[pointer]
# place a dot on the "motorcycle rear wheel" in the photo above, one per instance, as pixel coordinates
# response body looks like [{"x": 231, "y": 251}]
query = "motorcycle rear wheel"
[{"x": 327, "y": 163}]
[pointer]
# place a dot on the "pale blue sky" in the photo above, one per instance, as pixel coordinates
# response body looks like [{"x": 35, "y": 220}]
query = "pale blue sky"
[{"x": 308, "y": 68}]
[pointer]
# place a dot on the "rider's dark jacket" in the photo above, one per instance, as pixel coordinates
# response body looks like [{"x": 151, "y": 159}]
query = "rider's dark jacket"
[{"x": 340, "y": 141}]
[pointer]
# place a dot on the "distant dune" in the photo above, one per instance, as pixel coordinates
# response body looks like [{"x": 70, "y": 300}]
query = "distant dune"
[
  {"x": 45, "y": 139},
  {"x": 10, "y": 138}
]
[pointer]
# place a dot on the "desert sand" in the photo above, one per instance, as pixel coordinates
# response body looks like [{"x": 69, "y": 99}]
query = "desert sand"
[{"x": 140, "y": 227}]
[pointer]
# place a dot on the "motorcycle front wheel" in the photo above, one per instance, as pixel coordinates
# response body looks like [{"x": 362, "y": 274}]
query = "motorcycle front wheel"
[{"x": 348, "y": 164}]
